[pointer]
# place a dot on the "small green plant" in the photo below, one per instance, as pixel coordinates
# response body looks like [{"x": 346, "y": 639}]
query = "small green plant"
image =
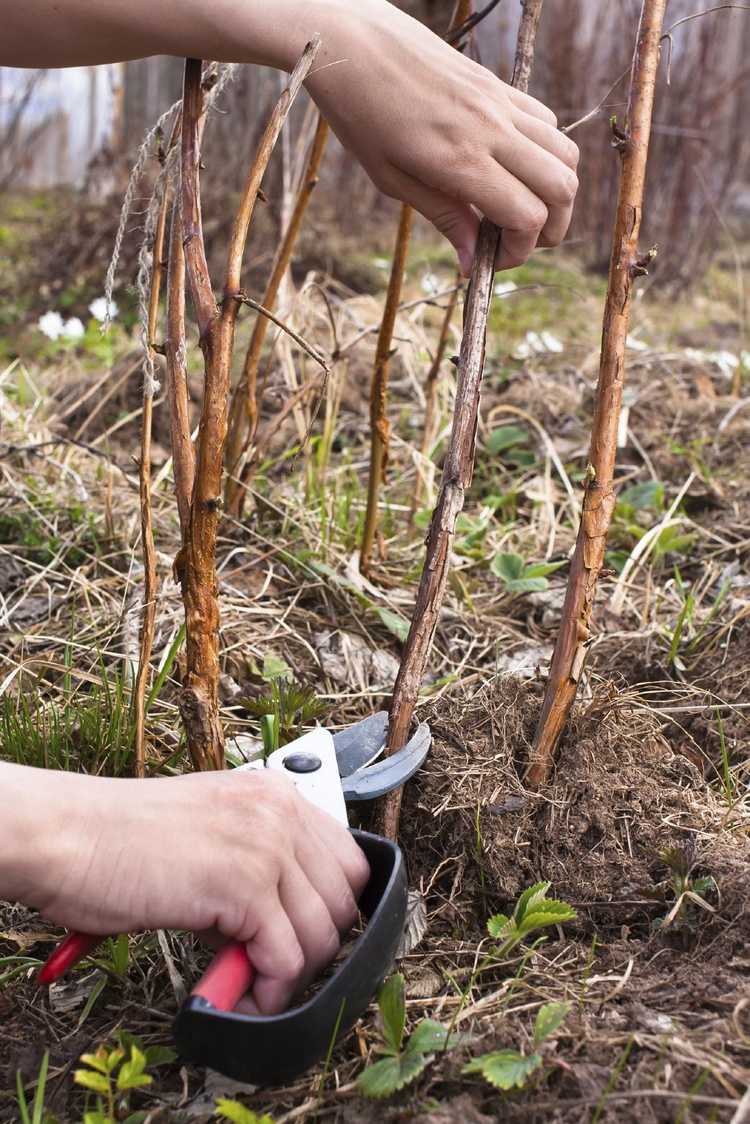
[
  {"x": 533, "y": 911},
  {"x": 113, "y": 1075},
  {"x": 402, "y": 1061},
  {"x": 284, "y": 708},
  {"x": 35, "y": 1114},
  {"x": 89, "y": 732},
  {"x": 519, "y": 576},
  {"x": 510, "y": 443},
  {"x": 508, "y": 1069},
  {"x": 238, "y": 1113},
  {"x": 686, "y": 889}
]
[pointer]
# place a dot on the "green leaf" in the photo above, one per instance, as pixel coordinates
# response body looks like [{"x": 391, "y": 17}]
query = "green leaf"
[
  {"x": 507, "y": 567},
  {"x": 523, "y": 458},
  {"x": 429, "y": 1036},
  {"x": 395, "y": 623},
  {"x": 23, "y": 1106},
  {"x": 393, "y": 1011},
  {"x": 97, "y": 1082},
  {"x": 233, "y": 1110},
  {"x": 505, "y": 438},
  {"x": 274, "y": 667},
  {"x": 96, "y": 1117},
  {"x": 390, "y": 1074},
  {"x": 548, "y": 1019},
  {"x": 97, "y": 1061},
  {"x": 541, "y": 569},
  {"x": 96, "y": 990},
  {"x": 542, "y": 918},
  {"x": 498, "y": 925},
  {"x": 159, "y": 1055},
  {"x": 642, "y": 497},
  {"x": 505, "y": 1069},
  {"x": 526, "y": 585},
  {"x": 131, "y": 1075},
  {"x": 530, "y": 897},
  {"x": 120, "y": 953},
  {"x": 269, "y": 732},
  {"x": 41, "y": 1083}
]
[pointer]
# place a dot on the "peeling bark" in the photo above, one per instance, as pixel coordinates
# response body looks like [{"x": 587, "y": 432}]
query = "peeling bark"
[{"x": 599, "y": 498}]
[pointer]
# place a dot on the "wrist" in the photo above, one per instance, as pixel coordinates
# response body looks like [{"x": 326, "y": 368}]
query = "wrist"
[
  {"x": 232, "y": 32},
  {"x": 31, "y": 832}
]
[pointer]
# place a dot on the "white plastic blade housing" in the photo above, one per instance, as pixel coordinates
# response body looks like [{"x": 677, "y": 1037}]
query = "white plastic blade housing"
[{"x": 322, "y": 787}]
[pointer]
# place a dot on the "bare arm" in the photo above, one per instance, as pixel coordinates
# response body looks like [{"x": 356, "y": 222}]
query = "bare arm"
[
  {"x": 240, "y": 853},
  {"x": 431, "y": 127}
]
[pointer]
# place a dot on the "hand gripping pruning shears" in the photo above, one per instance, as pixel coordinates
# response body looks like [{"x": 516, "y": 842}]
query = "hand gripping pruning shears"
[{"x": 328, "y": 770}]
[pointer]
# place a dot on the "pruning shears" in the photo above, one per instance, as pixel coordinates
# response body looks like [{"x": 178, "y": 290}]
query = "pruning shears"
[{"x": 328, "y": 770}]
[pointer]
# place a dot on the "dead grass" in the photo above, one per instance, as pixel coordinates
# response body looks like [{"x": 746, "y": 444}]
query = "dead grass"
[{"x": 659, "y": 1028}]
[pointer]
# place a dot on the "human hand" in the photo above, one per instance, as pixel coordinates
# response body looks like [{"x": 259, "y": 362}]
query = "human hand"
[
  {"x": 240, "y": 854},
  {"x": 440, "y": 132}
]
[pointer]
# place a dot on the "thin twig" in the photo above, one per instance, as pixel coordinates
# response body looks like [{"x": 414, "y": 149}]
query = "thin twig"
[
  {"x": 243, "y": 413},
  {"x": 150, "y": 581},
  {"x": 304, "y": 344},
  {"x": 379, "y": 426}
]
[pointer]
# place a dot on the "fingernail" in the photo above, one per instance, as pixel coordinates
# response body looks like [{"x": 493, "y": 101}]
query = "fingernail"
[{"x": 465, "y": 261}]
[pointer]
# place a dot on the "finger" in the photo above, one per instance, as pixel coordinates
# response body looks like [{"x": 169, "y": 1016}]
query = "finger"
[
  {"x": 531, "y": 105},
  {"x": 343, "y": 845},
  {"x": 556, "y": 226},
  {"x": 327, "y": 878},
  {"x": 453, "y": 218},
  {"x": 313, "y": 925},
  {"x": 548, "y": 177},
  {"x": 516, "y": 246},
  {"x": 548, "y": 138},
  {"x": 565, "y": 150},
  {"x": 277, "y": 955},
  {"x": 486, "y": 185}
]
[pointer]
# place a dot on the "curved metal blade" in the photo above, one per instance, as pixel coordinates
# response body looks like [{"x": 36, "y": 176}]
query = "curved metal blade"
[
  {"x": 375, "y": 780},
  {"x": 360, "y": 744}
]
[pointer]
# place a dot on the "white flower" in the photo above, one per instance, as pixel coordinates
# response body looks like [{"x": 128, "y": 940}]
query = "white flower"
[
  {"x": 382, "y": 263},
  {"x": 51, "y": 324},
  {"x": 73, "y": 329},
  {"x": 634, "y": 343},
  {"x": 550, "y": 342},
  {"x": 98, "y": 309},
  {"x": 503, "y": 287},
  {"x": 430, "y": 283},
  {"x": 536, "y": 343}
]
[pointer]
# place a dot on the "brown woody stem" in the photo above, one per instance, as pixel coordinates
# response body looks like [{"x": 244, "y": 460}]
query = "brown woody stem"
[
  {"x": 196, "y": 563},
  {"x": 379, "y": 427},
  {"x": 458, "y": 468},
  {"x": 429, "y": 433},
  {"x": 599, "y": 498},
  {"x": 243, "y": 414},
  {"x": 175, "y": 352}
]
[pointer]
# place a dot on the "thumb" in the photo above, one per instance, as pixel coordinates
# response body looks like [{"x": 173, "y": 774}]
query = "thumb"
[{"x": 455, "y": 220}]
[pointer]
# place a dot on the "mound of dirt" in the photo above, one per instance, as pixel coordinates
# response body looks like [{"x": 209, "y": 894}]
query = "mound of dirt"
[{"x": 621, "y": 796}]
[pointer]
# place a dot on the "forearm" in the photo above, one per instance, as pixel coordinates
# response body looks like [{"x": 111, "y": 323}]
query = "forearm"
[
  {"x": 29, "y": 823},
  {"x": 41, "y": 33}
]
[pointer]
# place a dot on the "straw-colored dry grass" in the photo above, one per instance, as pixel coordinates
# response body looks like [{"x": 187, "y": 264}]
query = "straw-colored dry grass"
[{"x": 657, "y": 755}]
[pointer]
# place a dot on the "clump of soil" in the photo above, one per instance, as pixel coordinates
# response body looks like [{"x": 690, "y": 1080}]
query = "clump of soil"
[{"x": 620, "y": 797}]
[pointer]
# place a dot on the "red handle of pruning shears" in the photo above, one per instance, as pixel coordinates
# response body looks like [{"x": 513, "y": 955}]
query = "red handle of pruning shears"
[
  {"x": 72, "y": 949},
  {"x": 229, "y": 975}
]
